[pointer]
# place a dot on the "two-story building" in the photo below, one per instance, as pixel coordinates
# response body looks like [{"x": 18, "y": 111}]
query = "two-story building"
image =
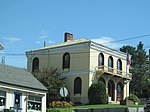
[{"x": 83, "y": 62}]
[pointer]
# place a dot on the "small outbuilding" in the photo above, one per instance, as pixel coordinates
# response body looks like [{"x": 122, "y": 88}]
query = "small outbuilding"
[{"x": 21, "y": 91}]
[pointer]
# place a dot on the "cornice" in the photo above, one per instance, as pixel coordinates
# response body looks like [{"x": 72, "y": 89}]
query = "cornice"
[
  {"x": 107, "y": 50},
  {"x": 77, "y": 72}
]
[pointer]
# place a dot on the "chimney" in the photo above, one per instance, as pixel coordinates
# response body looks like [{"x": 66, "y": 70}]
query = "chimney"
[{"x": 68, "y": 37}]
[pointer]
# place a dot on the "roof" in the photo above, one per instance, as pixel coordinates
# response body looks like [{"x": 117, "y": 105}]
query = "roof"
[
  {"x": 72, "y": 42},
  {"x": 1, "y": 46},
  {"x": 19, "y": 77}
]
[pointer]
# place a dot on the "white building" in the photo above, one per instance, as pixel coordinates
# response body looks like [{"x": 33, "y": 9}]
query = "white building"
[{"x": 19, "y": 89}]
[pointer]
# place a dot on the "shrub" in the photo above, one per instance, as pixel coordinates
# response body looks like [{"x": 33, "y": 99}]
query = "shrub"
[
  {"x": 60, "y": 104},
  {"x": 97, "y": 93},
  {"x": 134, "y": 98}
]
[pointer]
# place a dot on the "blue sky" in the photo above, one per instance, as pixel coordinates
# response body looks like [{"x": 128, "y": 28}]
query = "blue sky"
[{"x": 25, "y": 24}]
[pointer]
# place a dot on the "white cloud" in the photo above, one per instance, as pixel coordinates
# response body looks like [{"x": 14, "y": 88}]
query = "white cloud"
[
  {"x": 43, "y": 37},
  {"x": 50, "y": 42},
  {"x": 106, "y": 42},
  {"x": 37, "y": 42},
  {"x": 12, "y": 39},
  {"x": 47, "y": 42}
]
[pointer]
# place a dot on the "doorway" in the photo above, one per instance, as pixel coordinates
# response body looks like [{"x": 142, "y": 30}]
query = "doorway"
[{"x": 17, "y": 102}]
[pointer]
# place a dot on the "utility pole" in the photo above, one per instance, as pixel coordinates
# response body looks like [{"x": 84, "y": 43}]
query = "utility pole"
[{"x": 44, "y": 43}]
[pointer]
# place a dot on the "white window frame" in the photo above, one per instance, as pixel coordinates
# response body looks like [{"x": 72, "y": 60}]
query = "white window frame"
[
  {"x": 3, "y": 97},
  {"x": 34, "y": 101}
]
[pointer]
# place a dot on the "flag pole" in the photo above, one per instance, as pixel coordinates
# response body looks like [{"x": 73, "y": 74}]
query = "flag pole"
[{"x": 126, "y": 73}]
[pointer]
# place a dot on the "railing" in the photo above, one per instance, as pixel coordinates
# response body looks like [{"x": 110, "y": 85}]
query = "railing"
[{"x": 113, "y": 71}]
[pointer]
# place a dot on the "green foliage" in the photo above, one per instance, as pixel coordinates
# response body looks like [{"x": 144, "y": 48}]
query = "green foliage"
[
  {"x": 139, "y": 84},
  {"x": 50, "y": 78},
  {"x": 97, "y": 93},
  {"x": 139, "y": 68},
  {"x": 131, "y": 50},
  {"x": 60, "y": 110},
  {"x": 134, "y": 98},
  {"x": 60, "y": 104}
]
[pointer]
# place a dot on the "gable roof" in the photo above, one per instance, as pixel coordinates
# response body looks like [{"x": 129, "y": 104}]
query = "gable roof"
[{"x": 19, "y": 77}]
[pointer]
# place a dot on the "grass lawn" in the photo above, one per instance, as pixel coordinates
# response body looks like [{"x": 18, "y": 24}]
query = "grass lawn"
[
  {"x": 107, "y": 106},
  {"x": 93, "y": 107},
  {"x": 60, "y": 110}
]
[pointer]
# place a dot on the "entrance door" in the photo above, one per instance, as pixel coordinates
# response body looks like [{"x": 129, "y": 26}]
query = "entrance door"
[
  {"x": 17, "y": 102},
  {"x": 111, "y": 89}
]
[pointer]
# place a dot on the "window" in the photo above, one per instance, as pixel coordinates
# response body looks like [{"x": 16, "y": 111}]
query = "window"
[
  {"x": 66, "y": 61},
  {"x": 110, "y": 63},
  {"x": 101, "y": 60},
  {"x": 35, "y": 65},
  {"x": 2, "y": 98},
  {"x": 119, "y": 66},
  {"x": 34, "y": 103},
  {"x": 77, "y": 85}
]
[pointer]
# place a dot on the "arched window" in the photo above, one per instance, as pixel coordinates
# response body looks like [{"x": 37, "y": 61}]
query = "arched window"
[
  {"x": 119, "y": 91},
  {"x": 101, "y": 60},
  {"x": 110, "y": 63},
  {"x": 77, "y": 85},
  {"x": 119, "y": 66},
  {"x": 35, "y": 64},
  {"x": 66, "y": 60}
]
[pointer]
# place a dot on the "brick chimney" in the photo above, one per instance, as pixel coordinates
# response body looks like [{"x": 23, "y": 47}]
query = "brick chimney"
[{"x": 68, "y": 37}]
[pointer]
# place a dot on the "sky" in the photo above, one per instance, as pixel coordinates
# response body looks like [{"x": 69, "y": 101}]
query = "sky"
[{"x": 26, "y": 24}]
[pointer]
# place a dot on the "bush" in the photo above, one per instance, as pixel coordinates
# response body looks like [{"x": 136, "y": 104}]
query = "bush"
[
  {"x": 60, "y": 104},
  {"x": 97, "y": 93},
  {"x": 134, "y": 98}
]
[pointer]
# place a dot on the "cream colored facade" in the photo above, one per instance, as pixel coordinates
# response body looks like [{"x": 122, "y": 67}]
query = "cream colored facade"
[{"x": 84, "y": 56}]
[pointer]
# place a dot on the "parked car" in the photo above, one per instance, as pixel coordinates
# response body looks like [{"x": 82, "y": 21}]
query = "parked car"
[{"x": 147, "y": 106}]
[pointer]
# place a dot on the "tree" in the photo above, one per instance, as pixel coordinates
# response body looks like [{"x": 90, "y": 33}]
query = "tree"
[
  {"x": 131, "y": 50},
  {"x": 140, "y": 58},
  {"x": 97, "y": 93},
  {"x": 50, "y": 78},
  {"x": 140, "y": 75}
]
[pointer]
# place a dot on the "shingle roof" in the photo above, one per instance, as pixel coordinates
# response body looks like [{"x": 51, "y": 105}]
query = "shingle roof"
[{"x": 19, "y": 77}]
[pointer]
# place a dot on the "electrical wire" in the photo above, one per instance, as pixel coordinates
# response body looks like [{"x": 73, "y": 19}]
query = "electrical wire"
[
  {"x": 127, "y": 39},
  {"x": 148, "y": 46}
]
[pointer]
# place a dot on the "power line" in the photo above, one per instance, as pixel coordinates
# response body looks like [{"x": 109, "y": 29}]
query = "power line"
[
  {"x": 127, "y": 39},
  {"x": 14, "y": 54}
]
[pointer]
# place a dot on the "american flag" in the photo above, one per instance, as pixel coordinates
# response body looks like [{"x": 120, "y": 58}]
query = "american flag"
[{"x": 128, "y": 59}]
